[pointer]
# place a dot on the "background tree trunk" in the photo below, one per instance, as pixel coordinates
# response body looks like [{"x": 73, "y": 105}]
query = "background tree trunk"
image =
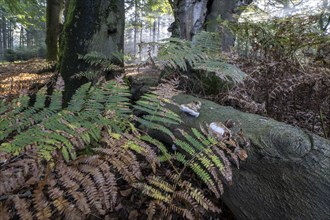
[
  {"x": 226, "y": 10},
  {"x": 136, "y": 18},
  {"x": 4, "y": 33},
  {"x": 1, "y": 34},
  {"x": 90, "y": 26},
  {"x": 193, "y": 16},
  {"x": 29, "y": 38},
  {"x": 10, "y": 40},
  {"x": 189, "y": 17},
  {"x": 54, "y": 13}
]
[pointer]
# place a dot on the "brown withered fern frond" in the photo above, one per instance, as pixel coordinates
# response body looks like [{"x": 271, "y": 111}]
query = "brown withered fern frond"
[
  {"x": 19, "y": 174},
  {"x": 174, "y": 196},
  {"x": 92, "y": 185},
  {"x": 87, "y": 186},
  {"x": 286, "y": 92}
]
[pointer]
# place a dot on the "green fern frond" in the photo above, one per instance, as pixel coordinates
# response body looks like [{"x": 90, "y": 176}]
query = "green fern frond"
[
  {"x": 202, "y": 54},
  {"x": 208, "y": 42},
  {"x": 206, "y": 157},
  {"x": 163, "y": 120},
  {"x": 99, "y": 65},
  {"x": 224, "y": 71},
  {"x": 156, "y": 194},
  {"x": 165, "y": 155},
  {"x": 161, "y": 184},
  {"x": 157, "y": 115},
  {"x": 17, "y": 121},
  {"x": 193, "y": 142},
  {"x": 202, "y": 173},
  {"x": 201, "y": 137},
  {"x": 53, "y": 128},
  {"x": 155, "y": 126},
  {"x": 93, "y": 58},
  {"x": 177, "y": 53},
  {"x": 181, "y": 158},
  {"x": 91, "y": 75},
  {"x": 78, "y": 100},
  {"x": 185, "y": 146}
]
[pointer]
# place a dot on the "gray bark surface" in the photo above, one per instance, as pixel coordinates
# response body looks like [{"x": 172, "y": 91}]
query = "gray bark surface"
[
  {"x": 193, "y": 16},
  {"x": 287, "y": 173},
  {"x": 189, "y": 16}
]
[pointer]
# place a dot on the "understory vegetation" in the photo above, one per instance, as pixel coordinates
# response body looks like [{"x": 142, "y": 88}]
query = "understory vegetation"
[
  {"x": 286, "y": 62},
  {"x": 84, "y": 160},
  {"x": 77, "y": 141}
]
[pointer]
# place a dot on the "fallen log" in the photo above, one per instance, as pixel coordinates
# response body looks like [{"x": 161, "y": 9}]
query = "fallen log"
[{"x": 287, "y": 173}]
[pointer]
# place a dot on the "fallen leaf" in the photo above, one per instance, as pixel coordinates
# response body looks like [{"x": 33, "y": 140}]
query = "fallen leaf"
[
  {"x": 133, "y": 215},
  {"x": 126, "y": 192}
]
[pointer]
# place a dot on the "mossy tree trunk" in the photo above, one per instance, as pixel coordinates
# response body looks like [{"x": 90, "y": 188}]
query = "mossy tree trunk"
[
  {"x": 90, "y": 26},
  {"x": 286, "y": 174},
  {"x": 53, "y": 20}
]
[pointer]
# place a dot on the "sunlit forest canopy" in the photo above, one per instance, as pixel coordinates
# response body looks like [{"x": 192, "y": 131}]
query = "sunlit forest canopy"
[
  {"x": 263, "y": 9},
  {"x": 146, "y": 21},
  {"x": 25, "y": 21}
]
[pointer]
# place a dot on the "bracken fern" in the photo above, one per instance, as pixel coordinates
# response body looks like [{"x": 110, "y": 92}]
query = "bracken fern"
[
  {"x": 89, "y": 159},
  {"x": 202, "y": 54}
]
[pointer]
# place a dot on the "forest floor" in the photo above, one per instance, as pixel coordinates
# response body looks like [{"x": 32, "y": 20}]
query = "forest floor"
[
  {"x": 285, "y": 92},
  {"x": 27, "y": 77},
  {"x": 23, "y": 77},
  {"x": 278, "y": 90}
]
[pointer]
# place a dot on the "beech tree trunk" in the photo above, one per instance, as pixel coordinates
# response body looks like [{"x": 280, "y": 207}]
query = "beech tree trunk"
[
  {"x": 193, "y": 16},
  {"x": 54, "y": 15},
  {"x": 189, "y": 17},
  {"x": 90, "y": 26}
]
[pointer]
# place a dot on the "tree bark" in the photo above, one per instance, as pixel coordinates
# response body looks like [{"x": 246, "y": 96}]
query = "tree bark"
[
  {"x": 10, "y": 33},
  {"x": 4, "y": 33},
  {"x": 286, "y": 174},
  {"x": 141, "y": 40},
  {"x": 193, "y": 16},
  {"x": 90, "y": 26},
  {"x": 21, "y": 37},
  {"x": 189, "y": 17},
  {"x": 226, "y": 10},
  {"x": 158, "y": 28},
  {"x": 54, "y": 14},
  {"x": 29, "y": 38},
  {"x": 154, "y": 26},
  {"x": 136, "y": 18},
  {"x": 1, "y": 43}
]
